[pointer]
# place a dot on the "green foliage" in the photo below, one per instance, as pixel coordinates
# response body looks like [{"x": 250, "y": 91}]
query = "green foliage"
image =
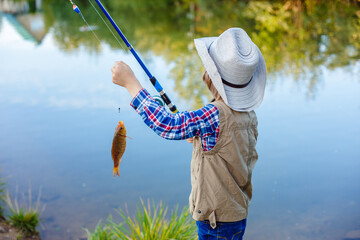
[
  {"x": 100, "y": 233},
  {"x": 26, "y": 221},
  {"x": 149, "y": 223},
  {"x": 27, "y": 217},
  {"x": 295, "y": 37},
  {"x": 2, "y": 197}
]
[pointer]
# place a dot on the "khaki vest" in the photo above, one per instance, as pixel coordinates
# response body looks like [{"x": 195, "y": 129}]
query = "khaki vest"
[{"x": 221, "y": 178}]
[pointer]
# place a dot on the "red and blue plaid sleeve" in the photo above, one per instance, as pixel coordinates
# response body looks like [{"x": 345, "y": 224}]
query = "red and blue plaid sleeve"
[{"x": 203, "y": 122}]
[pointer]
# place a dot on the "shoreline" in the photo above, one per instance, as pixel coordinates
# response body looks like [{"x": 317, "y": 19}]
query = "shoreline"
[{"x": 9, "y": 232}]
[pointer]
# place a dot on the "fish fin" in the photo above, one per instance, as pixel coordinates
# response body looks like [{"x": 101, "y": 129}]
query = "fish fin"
[
  {"x": 116, "y": 171},
  {"x": 125, "y": 136}
]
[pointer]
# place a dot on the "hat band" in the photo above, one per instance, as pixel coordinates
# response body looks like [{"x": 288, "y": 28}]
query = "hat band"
[{"x": 235, "y": 85}]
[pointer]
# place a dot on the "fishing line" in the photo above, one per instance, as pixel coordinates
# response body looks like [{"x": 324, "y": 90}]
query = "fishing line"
[
  {"x": 121, "y": 45},
  {"x": 77, "y": 10},
  {"x": 90, "y": 28},
  {"x": 152, "y": 79}
]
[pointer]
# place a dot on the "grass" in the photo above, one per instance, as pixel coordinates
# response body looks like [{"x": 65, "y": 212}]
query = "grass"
[
  {"x": 100, "y": 233},
  {"x": 149, "y": 223},
  {"x": 27, "y": 217},
  {"x": 2, "y": 197}
]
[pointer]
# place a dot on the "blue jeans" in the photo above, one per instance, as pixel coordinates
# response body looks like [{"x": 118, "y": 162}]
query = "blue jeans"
[{"x": 223, "y": 230}]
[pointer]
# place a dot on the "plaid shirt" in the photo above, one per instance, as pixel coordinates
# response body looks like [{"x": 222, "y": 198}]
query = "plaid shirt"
[{"x": 203, "y": 122}]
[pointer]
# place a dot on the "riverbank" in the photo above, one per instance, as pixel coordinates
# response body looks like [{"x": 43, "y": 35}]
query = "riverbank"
[{"x": 8, "y": 232}]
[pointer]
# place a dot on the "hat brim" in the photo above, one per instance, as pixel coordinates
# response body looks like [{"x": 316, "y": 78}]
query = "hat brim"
[{"x": 238, "y": 99}]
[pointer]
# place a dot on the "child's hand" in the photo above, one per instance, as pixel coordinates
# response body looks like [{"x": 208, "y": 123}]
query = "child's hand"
[
  {"x": 123, "y": 76},
  {"x": 190, "y": 140}
]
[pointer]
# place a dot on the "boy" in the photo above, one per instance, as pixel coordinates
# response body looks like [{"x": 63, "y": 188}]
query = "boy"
[{"x": 223, "y": 133}]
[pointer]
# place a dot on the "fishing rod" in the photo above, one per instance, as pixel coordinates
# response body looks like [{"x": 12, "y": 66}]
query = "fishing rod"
[{"x": 152, "y": 79}]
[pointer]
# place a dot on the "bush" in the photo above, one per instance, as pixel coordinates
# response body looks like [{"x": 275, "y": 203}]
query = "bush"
[
  {"x": 25, "y": 218},
  {"x": 149, "y": 223}
]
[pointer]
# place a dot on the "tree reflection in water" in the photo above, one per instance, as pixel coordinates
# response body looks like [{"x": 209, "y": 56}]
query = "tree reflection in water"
[{"x": 297, "y": 38}]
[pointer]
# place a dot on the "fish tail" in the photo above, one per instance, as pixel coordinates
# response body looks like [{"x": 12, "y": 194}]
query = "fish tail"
[{"x": 116, "y": 171}]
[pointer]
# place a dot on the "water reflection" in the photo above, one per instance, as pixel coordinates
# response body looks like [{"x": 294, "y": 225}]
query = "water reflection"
[{"x": 295, "y": 37}]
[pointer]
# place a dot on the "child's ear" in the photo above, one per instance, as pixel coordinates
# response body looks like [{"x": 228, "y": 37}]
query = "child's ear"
[{"x": 206, "y": 79}]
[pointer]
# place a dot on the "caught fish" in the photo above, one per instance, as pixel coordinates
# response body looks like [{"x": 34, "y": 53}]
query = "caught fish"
[{"x": 118, "y": 146}]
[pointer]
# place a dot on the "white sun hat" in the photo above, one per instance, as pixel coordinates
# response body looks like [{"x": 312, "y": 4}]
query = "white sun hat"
[{"x": 236, "y": 68}]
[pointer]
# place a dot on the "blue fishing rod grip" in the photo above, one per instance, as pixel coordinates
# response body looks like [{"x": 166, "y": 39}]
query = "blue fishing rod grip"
[{"x": 164, "y": 96}]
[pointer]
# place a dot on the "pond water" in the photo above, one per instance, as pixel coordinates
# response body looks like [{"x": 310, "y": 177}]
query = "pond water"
[{"x": 59, "y": 109}]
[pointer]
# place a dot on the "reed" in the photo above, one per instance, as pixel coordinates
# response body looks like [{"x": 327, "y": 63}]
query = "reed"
[
  {"x": 100, "y": 233},
  {"x": 2, "y": 198},
  {"x": 149, "y": 223},
  {"x": 26, "y": 217}
]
